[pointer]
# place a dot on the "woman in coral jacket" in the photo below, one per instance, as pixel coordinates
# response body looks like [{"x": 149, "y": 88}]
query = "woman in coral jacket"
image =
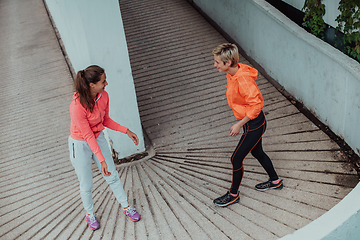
[
  {"x": 89, "y": 112},
  {"x": 246, "y": 101}
]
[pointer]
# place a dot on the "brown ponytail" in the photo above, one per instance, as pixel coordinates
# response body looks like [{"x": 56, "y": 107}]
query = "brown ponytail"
[{"x": 91, "y": 74}]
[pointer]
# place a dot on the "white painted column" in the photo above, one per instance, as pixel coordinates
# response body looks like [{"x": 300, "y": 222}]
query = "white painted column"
[{"x": 92, "y": 33}]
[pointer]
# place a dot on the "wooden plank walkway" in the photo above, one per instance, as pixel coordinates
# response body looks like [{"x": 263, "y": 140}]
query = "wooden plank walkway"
[{"x": 183, "y": 109}]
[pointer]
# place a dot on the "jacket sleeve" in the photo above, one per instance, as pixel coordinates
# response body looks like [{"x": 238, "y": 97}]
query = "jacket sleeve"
[
  {"x": 252, "y": 95},
  {"x": 78, "y": 116},
  {"x": 109, "y": 123}
]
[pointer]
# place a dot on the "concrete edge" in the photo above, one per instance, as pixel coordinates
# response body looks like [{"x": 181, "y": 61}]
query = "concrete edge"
[
  {"x": 336, "y": 55},
  {"x": 334, "y": 224}
]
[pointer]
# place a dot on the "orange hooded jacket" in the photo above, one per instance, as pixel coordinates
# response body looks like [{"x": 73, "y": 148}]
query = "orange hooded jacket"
[{"x": 243, "y": 94}]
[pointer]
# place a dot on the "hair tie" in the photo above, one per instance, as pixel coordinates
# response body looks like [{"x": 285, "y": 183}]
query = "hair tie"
[{"x": 83, "y": 73}]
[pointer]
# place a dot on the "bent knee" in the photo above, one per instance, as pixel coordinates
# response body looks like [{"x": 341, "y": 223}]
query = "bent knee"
[{"x": 86, "y": 189}]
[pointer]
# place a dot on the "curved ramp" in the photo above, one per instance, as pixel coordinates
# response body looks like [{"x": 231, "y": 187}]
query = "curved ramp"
[{"x": 183, "y": 108}]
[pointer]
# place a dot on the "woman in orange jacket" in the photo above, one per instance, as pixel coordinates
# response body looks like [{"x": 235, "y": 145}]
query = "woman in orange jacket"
[{"x": 246, "y": 102}]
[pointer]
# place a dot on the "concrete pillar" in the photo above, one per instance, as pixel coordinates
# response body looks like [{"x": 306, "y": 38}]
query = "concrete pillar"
[{"x": 92, "y": 33}]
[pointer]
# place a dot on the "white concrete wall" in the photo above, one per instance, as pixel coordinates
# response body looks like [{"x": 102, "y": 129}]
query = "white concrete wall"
[
  {"x": 341, "y": 222},
  {"x": 92, "y": 32},
  {"x": 331, "y": 9}
]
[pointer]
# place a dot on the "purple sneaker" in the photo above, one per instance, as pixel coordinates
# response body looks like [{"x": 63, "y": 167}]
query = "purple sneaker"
[
  {"x": 92, "y": 222},
  {"x": 132, "y": 213}
]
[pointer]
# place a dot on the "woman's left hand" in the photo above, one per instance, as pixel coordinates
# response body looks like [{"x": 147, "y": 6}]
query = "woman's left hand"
[{"x": 133, "y": 136}]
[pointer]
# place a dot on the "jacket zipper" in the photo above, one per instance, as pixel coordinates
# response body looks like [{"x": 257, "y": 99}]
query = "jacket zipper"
[
  {"x": 97, "y": 104},
  {"x": 73, "y": 145}
]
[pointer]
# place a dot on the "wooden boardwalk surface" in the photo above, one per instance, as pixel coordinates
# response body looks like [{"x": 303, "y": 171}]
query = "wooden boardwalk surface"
[{"x": 183, "y": 109}]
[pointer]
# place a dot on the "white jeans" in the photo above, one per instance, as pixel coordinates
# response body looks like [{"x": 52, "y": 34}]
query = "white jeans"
[{"x": 81, "y": 158}]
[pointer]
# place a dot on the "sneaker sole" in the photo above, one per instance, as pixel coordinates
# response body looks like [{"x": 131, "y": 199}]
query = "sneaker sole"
[
  {"x": 132, "y": 218},
  {"x": 275, "y": 188},
  {"x": 94, "y": 229},
  {"x": 229, "y": 203}
]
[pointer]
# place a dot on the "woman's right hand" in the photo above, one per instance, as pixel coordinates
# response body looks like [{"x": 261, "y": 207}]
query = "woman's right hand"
[
  {"x": 104, "y": 169},
  {"x": 133, "y": 137},
  {"x": 235, "y": 129}
]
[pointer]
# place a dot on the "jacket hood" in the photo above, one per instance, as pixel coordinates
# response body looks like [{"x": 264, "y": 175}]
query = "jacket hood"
[{"x": 246, "y": 71}]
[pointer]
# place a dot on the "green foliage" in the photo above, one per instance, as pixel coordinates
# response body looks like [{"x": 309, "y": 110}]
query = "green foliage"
[
  {"x": 349, "y": 23},
  {"x": 313, "y": 19}
]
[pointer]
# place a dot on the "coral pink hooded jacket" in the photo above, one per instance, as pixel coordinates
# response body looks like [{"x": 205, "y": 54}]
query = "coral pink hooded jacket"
[
  {"x": 86, "y": 125},
  {"x": 243, "y": 95}
]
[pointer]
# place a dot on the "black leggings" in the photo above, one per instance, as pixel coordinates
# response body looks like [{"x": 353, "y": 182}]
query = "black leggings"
[{"x": 251, "y": 141}]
